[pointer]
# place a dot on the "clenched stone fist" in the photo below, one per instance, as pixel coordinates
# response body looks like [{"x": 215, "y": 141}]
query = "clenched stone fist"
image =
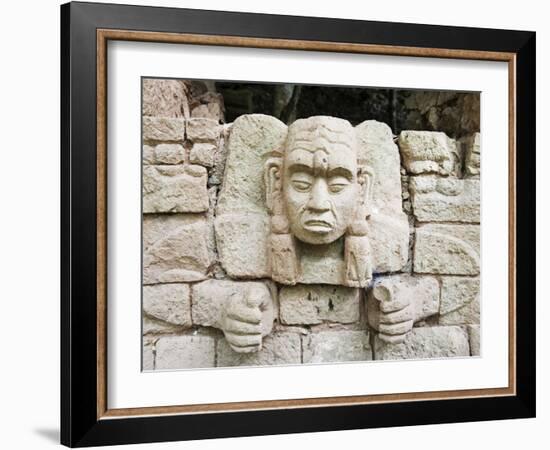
[
  {"x": 247, "y": 318},
  {"x": 395, "y": 303},
  {"x": 392, "y": 315}
]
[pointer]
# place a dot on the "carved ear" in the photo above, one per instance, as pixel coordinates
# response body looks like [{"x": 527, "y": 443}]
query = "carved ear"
[
  {"x": 273, "y": 183},
  {"x": 365, "y": 178}
]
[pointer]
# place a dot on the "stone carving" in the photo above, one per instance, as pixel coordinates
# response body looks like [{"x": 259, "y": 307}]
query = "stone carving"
[
  {"x": 395, "y": 303},
  {"x": 244, "y": 311},
  {"x": 447, "y": 249},
  {"x": 317, "y": 193},
  {"x": 321, "y": 215}
]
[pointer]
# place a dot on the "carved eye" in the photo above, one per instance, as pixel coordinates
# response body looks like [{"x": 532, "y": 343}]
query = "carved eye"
[
  {"x": 301, "y": 185},
  {"x": 337, "y": 184}
]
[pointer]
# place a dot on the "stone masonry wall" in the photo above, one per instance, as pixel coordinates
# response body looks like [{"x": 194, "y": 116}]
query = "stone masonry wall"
[{"x": 184, "y": 143}]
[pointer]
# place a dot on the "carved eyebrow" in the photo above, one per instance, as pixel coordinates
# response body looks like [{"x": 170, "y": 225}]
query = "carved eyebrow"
[
  {"x": 340, "y": 172},
  {"x": 300, "y": 168}
]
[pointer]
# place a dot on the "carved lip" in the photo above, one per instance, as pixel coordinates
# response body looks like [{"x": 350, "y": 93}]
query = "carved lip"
[{"x": 319, "y": 226}]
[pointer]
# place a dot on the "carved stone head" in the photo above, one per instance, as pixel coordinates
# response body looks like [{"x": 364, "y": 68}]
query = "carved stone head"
[{"x": 317, "y": 193}]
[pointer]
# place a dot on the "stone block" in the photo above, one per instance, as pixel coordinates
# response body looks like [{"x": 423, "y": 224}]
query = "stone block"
[
  {"x": 336, "y": 346},
  {"x": 252, "y": 138},
  {"x": 313, "y": 304},
  {"x": 151, "y": 326},
  {"x": 203, "y": 130},
  {"x": 185, "y": 352},
  {"x": 220, "y": 156},
  {"x": 169, "y": 154},
  {"x": 378, "y": 150},
  {"x": 148, "y": 154},
  {"x": 164, "y": 98},
  {"x": 428, "y": 152},
  {"x": 437, "y": 199},
  {"x": 426, "y": 342},
  {"x": 277, "y": 349},
  {"x": 474, "y": 335},
  {"x": 175, "y": 249},
  {"x": 447, "y": 249},
  {"x": 389, "y": 241},
  {"x": 147, "y": 358},
  {"x": 459, "y": 301},
  {"x": 163, "y": 129},
  {"x": 242, "y": 244},
  {"x": 472, "y": 154},
  {"x": 168, "y": 302},
  {"x": 174, "y": 189},
  {"x": 203, "y": 153}
]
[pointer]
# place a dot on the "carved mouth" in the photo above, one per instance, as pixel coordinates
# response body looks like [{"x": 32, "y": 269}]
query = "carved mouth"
[{"x": 318, "y": 226}]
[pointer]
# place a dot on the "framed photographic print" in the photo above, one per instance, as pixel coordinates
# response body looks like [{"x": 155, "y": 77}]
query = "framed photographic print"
[{"x": 276, "y": 224}]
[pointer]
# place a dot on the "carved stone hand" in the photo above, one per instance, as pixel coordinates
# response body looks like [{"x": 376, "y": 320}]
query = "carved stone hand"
[
  {"x": 247, "y": 319},
  {"x": 394, "y": 304},
  {"x": 393, "y": 316}
]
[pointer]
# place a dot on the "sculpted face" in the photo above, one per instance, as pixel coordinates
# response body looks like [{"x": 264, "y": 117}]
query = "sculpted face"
[{"x": 320, "y": 185}]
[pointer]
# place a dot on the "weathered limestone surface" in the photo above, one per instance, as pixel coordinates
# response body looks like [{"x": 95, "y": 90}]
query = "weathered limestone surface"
[
  {"x": 164, "y": 98},
  {"x": 312, "y": 304},
  {"x": 474, "y": 335},
  {"x": 277, "y": 348},
  {"x": 203, "y": 130},
  {"x": 209, "y": 105},
  {"x": 428, "y": 152},
  {"x": 388, "y": 228},
  {"x": 163, "y": 129},
  {"x": 203, "y": 153},
  {"x": 220, "y": 155},
  {"x": 447, "y": 249},
  {"x": 437, "y": 199},
  {"x": 472, "y": 154},
  {"x": 389, "y": 241},
  {"x": 242, "y": 220},
  {"x": 148, "y": 359},
  {"x": 459, "y": 301},
  {"x": 163, "y": 154},
  {"x": 426, "y": 342},
  {"x": 185, "y": 352},
  {"x": 168, "y": 302},
  {"x": 174, "y": 249},
  {"x": 242, "y": 242},
  {"x": 252, "y": 138},
  {"x": 153, "y": 326},
  {"x": 174, "y": 189},
  {"x": 225, "y": 217},
  {"x": 331, "y": 346}
]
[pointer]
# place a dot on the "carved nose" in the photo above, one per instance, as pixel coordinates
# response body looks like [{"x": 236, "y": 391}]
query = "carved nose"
[{"x": 319, "y": 199}]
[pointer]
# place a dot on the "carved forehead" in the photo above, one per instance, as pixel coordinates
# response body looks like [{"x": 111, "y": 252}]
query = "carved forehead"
[{"x": 328, "y": 134}]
